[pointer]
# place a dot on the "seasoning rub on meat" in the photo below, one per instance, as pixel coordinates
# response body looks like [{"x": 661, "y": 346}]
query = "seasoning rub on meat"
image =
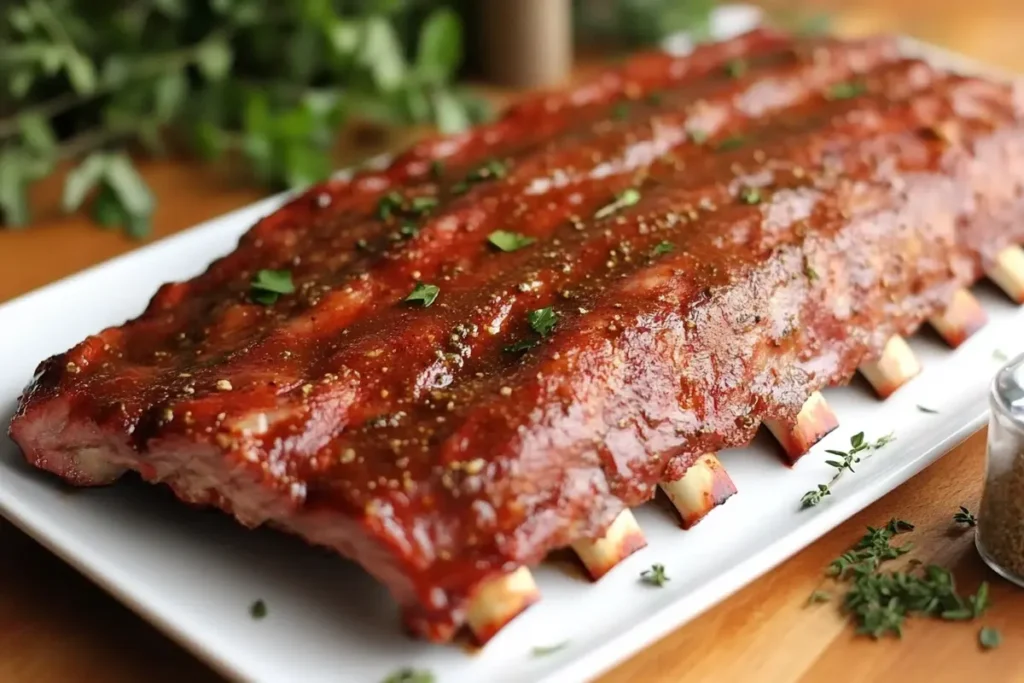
[{"x": 504, "y": 341}]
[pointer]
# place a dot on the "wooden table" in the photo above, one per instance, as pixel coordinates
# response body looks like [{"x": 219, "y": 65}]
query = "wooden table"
[{"x": 56, "y": 627}]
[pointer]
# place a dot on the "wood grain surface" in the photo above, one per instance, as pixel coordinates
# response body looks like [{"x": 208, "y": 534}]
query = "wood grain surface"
[{"x": 56, "y": 627}]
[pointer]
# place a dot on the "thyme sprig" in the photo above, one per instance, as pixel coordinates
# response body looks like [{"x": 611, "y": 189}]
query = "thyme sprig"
[{"x": 859, "y": 449}]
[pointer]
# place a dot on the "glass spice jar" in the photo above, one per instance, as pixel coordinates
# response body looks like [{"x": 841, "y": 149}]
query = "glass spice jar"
[{"x": 1000, "y": 533}]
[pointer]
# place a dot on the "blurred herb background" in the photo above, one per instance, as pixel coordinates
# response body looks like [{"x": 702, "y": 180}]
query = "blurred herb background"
[{"x": 86, "y": 86}]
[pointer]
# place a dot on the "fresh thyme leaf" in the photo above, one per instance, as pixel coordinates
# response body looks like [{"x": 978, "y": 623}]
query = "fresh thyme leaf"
[
  {"x": 408, "y": 675},
  {"x": 437, "y": 169},
  {"x": 520, "y": 346},
  {"x": 258, "y": 609},
  {"x": 663, "y": 248},
  {"x": 491, "y": 170},
  {"x": 819, "y": 596},
  {"x": 422, "y": 205},
  {"x": 846, "y": 91},
  {"x": 730, "y": 143},
  {"x": 965, "y": 517},
  {"x": 925, "y": 409},
  {"x": 655, "y": 576},
  {"x": 268, "y": 285},
  {"x": 509, "y": 241},
  {"x": 409, "y": 230},
  {"x": 627, "y": 198},
  {"x": 621, "y": 111},
  {"x": 1000, "y": 356},
  {"x": 424, "y": 294},
  {"x": 736, "y": 68},
  {"x": 543, "y": 320},
  {"x": 989, "y": 638},
  {"x": 980, "y": 601},
  {"x": 750, "y": 195},
  {"x": 389, "y": 205},
  {"x": 544, "y": 650}
]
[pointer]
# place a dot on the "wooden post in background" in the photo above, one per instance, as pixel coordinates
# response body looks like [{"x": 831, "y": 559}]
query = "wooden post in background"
[{"x": 526, "y": 43}]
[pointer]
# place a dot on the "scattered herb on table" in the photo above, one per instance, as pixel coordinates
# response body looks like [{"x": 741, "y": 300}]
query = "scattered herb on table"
[
  {"x": 258, "y": 609},
  {"x": 655, "y": 576},
  {"x": 1000, "y": 356},
  {"x": 989, "y": 638},
  {"x": 925, "y": 409},
  {"x": 544, "y": 650},
  {"x": 627, "y": 198},
  {"x": 509, "y": 241},
  {"x": 424, "y": 294},
  {"x": 268, "y": 285},
  {"x": 965, "y": 517},
  {"x": 859, "y": 449},
  {"x": 819, "y": 596}
]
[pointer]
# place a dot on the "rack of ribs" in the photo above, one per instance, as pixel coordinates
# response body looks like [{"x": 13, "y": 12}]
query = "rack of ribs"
[{"x": 506, "y": 339}]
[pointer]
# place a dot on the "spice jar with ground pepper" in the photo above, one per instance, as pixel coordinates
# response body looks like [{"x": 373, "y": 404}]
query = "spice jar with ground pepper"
[{"x": 1000, "y": 537}]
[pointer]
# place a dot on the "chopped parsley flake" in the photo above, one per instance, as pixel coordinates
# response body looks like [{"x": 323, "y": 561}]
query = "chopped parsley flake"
[
  {"x": 663, "y": 248},
  {"x": 736, "y": 68},
  {"x": 268, "y": 285},
  {"x": 730, "y": 143},
  {"x": 750, "y": 195},
  {"x": 521, "y": 346},
  {"x": 627, "y": 198},
  {"x": 408, "y": 675},
  {"x": 258, "y": 609},
  {"x": 389, "y": 205},
  {"x": 543, "y": 320},
  {"x": 509, "y": 241},
  {"x": 846, "y": 91},
  {"x": 655, "y": 576},
  {"x": 424, "y": 294}
]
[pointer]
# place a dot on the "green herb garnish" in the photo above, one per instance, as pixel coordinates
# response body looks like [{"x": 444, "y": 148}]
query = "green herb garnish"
[
  {"x": 750, "y": 195},
  {"x": 544, "y": 650},
  {"x": 489, "y": 171},
  {"x": 699, "y": 137},
  {"x": 408, "y": 675},
  {"x": 268, "y": 285},
  {"x": 424, "y": 294},
  {"x": 543, "y": 320},
  {"x": 436, "y": 169},
  {"x": 423, "y": 205},
  {"x": 730, "y": 143},
  {"x": 663, "y": 248},
  {"x": 627, "y": 198},
  {"x": 520, "y": 346},
  {"x": 965, "y": 517},
  {"x": 848, "y": 459},
  {"x": 819, "y": 596},
  {"x": 509, "y": 241},
  {"x": 655, "y": 99},
  {"x": 989, "y": 638},
  {"x": 736, "y": 68},
  {"x": 620, "y": 112},
  {"x": 846, "y": 91},
  {"x": 925, "y": 409},
  {"x": 655, "y": 576},
  {"x": 258, "y": 609},
  {"x": 389, "y": 205}
]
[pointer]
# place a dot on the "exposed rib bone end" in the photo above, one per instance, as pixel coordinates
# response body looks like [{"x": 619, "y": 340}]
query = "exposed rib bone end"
[
  {"x": 897, "y": 366},
  {"x": 498, "y": 601},
  {"x": 1008, "y": 272},
  {"x": 705, "y": 486},
  {"x": 963, "y": 317},
  {"x": 814, "y": 421},
  {"x": 623, "y": 538}
]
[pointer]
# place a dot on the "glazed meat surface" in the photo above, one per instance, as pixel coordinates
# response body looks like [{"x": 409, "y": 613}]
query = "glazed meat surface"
[{"x": 690, "y": 246}]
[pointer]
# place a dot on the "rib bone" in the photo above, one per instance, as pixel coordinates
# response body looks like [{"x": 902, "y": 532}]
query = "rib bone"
[
  {"x": 812, "y": 423},
  {"x": 498, "y": 601},
  {"x": 623, "y": 538},
  {"x": 1008, "y": 272},
  {"x": 897, "y": 366},
  {"x": 963, "y": 317},
  {"x": 705, "y": 486}
]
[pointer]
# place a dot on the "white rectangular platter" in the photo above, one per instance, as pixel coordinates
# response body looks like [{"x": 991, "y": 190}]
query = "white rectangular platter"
[{"x": 194, "y": 574}]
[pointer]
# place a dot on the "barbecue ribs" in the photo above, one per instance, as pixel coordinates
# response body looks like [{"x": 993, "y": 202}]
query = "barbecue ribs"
[{"x": 500, "y": 343}]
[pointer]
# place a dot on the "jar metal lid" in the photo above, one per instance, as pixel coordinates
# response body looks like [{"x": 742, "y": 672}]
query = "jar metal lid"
[{"x": 1008, "y": 388}]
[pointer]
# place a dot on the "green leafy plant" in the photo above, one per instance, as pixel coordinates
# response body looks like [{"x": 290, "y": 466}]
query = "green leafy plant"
[{"x": 264, "y": 81}]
